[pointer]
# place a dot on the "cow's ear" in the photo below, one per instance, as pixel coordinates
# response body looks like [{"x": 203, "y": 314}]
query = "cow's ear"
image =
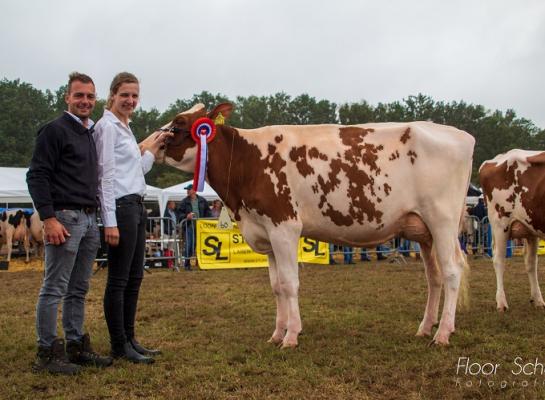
[
  {"x": 224, "y": 108},
  {"x": 537, "y": 159}
]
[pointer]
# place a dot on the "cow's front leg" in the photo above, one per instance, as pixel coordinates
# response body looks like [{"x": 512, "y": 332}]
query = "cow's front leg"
[
  {"x": 26, "y": 244},
  {"x": 9, "y": 245},
  {"x": 281, "y": 305},
  {"x": 284, "y": 243},
  {"x": 499, "y": 249}
]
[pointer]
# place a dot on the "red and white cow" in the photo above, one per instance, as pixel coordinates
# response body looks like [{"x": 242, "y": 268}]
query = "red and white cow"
[
  {"x": 514, "y": 188},
  {"x": 14, "y": 229},
  {"x": 352, "y": 185}
]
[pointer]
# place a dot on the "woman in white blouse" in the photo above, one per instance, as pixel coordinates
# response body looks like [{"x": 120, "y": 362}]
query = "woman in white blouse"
[{"x": 122, "y": 164}]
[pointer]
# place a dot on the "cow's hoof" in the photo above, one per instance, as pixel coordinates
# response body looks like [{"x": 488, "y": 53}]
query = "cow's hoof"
[
  {"x": 275, "y": 341},
  {"x": 441, "y": 339},
  {"x": 437, "y": 342},
  {"x": 286, "y": 345},
  {"x": 538, "y": 304},
  {"x": 502, "y": 309}
]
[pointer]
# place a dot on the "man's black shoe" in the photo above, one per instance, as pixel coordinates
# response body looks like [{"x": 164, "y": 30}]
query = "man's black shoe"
[
  {"x": 127, "y": 352},
  {"x": 142, "y": 350},
  {"x": 53, "y": 360},
  {"x": 80, "y": 352}
]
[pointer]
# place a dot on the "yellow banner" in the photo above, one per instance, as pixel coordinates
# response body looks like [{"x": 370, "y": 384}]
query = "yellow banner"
[
  {"x": 218, "y": 249},
  {"x": 541, "y": 247}
]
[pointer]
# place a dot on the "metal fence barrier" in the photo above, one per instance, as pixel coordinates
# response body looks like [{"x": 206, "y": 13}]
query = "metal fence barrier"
[
  {"x": 162, "y": 245},
  {"x": 475, "y": 239},
  {"x": 178, "y": 248}
]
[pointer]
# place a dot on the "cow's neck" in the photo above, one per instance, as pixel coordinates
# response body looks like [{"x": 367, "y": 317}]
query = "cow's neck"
[{"x": 224, "y": 165}]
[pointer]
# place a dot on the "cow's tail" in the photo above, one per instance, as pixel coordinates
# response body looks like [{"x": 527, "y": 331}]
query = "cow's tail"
[{"x": 463, "y": 295}]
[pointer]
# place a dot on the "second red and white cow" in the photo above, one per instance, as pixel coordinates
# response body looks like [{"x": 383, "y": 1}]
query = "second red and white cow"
[
  {"x": 514, "y": 188},
  {"x": 351, "y": 185}
]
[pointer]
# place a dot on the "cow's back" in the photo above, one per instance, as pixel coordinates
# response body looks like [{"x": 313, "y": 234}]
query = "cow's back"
[
  {"x": 514, "y": 187},
  {"x": 365, "y": 177}
]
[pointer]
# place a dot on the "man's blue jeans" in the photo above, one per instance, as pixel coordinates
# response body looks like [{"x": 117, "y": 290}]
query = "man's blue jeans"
[
  {"x": 189, "y": 248},
  {"x": 68, "y": 269}
]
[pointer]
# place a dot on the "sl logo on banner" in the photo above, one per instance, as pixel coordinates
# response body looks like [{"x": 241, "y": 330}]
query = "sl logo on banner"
[{"x": 220, "y": 248}]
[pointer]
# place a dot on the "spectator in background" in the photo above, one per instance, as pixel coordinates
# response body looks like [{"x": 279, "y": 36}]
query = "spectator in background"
[
  {"x": 192, "y": 207},
  {"x": 380, "y": 253},
  {"x": 348, "y": 255},
  {"x": 479, "y": 210},
  {"x": 216, "y": 208},
  {"x": 169, "y": 225}
]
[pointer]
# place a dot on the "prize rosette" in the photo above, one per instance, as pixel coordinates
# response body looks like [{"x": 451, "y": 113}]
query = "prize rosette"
[{"x": 203, "y": 132}]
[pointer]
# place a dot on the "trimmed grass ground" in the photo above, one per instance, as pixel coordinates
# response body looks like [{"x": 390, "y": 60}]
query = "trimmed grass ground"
[{"x": 358, "y": 340}]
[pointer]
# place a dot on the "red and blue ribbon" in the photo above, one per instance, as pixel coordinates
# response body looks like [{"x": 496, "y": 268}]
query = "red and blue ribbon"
[{"x": 203, "y": 131}]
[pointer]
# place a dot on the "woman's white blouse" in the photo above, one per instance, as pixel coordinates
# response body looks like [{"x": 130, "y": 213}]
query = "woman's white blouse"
[{"x": 121, "y": 166}]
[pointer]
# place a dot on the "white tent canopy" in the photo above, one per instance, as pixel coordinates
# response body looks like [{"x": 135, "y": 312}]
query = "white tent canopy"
[
  {"x": 177, "y": 192},
  {"x": 13, "y": 187}
]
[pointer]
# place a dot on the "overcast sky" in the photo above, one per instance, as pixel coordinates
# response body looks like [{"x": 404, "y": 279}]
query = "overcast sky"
[{"x": 485, "y": 52}]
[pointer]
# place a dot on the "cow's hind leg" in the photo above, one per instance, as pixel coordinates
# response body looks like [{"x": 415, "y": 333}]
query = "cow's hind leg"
[
  {"x": 414, "y": 228},
  {"x": 281, "y": 304},
  {"x": 434, "y": 278},
  {"x": 452, "y": 263},
  {"x": 530, "y": 260}
]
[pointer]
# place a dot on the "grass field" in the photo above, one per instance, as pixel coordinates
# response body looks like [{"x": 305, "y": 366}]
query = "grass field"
[{"x": 358, "y": 338}]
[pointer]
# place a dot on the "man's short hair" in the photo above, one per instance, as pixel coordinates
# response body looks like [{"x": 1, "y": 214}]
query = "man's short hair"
[{"x": 78, "y": 77}]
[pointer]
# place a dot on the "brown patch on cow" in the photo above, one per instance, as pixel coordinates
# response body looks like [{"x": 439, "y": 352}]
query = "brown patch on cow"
[
  {"x": 394, "y": 156},
  {"x": 299, "y": 156},
  {"x": 528, "y": 187},
  {"x": 358, "y": 163},
  {"x": 406, "y": 136},
  {"x": 315, "y": 153},
  {"x": 278, "y": 138},
  {"x": 511, "y": 199},
  {"x": 272, "y": 149},
  {"x": 250, "y": 182},
  {"x": 531, "y": 184},
  {"x": 412, "y": 156},
  {"x": 501, "y": 211},
  {"x": 493, "y": 176},
  {"x": 387, "y": 189}
]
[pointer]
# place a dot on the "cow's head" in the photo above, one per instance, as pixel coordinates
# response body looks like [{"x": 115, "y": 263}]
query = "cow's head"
[{"x": 180, "y": 151}]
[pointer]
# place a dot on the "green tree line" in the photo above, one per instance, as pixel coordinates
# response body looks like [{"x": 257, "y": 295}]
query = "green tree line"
[{"x": 23, "y": 109}]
